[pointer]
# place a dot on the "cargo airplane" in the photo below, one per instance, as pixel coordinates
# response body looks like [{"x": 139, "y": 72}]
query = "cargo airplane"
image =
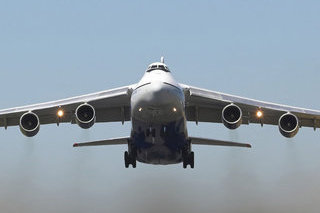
[{"x": 159, "y": 108}]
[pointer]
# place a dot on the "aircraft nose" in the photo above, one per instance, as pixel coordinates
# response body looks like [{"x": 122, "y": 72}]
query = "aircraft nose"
[
  {"x": 162, "y": 94},
  {"x": 158, "y": 93},
  {"x": 157, "y": 101}
]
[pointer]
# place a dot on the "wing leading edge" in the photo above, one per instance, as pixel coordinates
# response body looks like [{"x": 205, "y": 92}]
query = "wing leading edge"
[
  {"x": 112, "y": 141},
  {"x": 213, "y": 142},
  {"x": 206, "y": 106},
  {"x": 110, "y": 105}
]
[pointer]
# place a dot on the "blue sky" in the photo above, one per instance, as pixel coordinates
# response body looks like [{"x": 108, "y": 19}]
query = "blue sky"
[{"x": 266, "y": 50}]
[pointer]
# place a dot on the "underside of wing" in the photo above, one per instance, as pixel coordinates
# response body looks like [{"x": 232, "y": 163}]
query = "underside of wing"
[
  {"x": 105, "y": 106},
  {"x": 213, "y": 142},
  {"x": 112, "y": 141},
  {"x": 207, "y": 106}
]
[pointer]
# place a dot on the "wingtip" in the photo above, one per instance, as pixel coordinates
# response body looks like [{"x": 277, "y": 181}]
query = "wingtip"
[
  {"x": 249, "y": 146},
  {"x": 75, "y": 145}
]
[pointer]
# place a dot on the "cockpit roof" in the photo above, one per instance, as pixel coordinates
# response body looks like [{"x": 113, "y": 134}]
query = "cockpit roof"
[{"x": 158, "y": 66}]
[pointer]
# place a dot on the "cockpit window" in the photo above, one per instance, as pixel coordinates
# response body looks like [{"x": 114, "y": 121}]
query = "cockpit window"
[{"x": 158, "y": 67}]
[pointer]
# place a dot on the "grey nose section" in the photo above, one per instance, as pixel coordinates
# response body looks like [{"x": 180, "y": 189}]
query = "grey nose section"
[
  {"x": 157, "y": 102},
  {"x": 160, "y": 94}
]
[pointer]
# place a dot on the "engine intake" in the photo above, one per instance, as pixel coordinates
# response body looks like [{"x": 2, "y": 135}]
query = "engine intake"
[
  {"x": 288, "y": 125},
  {"x": 232, "y": 116},
  {"x": 85, "y": 116},
  {"x": 29, "y": 124}
]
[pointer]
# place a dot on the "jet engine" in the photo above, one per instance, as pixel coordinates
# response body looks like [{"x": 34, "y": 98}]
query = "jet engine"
[
  {"x": 232, "y": 116},
  {"x": 29, "y": 124},
  {"x": 85, "y": 116},
  {"x": 288, "y": 125}
]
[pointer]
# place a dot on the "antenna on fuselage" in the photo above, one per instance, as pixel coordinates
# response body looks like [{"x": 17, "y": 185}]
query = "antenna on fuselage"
[{"x": 162, "y": 59}]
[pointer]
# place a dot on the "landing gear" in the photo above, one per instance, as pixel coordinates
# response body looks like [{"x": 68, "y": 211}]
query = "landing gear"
[
  {"x": 129, "y": 159},
  {"x": 188, "y": 156},
  {"x": 188, "y": 159},
  {"x": 130, "y": 156}
]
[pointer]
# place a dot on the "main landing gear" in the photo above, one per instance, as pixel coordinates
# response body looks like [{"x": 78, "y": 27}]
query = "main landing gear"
[
  {"x": 188, "y": 159},
  {"x": 188, "y": 156},
  {"x": 130, "y": 157}
]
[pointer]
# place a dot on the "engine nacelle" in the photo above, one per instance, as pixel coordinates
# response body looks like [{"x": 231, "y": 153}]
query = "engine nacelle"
[
  {"x": 288, "y": 125},
  {"x": 29, "y": 124},
  {"x": 85, "y": 116},
  {"x": 232, "y": 116}
]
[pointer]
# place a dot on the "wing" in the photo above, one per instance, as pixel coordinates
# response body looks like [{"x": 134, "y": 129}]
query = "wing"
[
  {"x": 206, "y": 106},
  {"x": 112, "y": 141},
  {"x": 213, "y": 142},
  {"x": 110, "y": 105}
]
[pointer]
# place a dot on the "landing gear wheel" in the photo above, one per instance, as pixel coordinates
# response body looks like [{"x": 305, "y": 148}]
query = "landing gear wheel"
[
  {"x": 191, "y": 160},
  {"x": 188, "y": 160},
  {"x": 129, "y": 159},
  {"x": 126, "y": 159},
  {"x": 185, "y": 164}
]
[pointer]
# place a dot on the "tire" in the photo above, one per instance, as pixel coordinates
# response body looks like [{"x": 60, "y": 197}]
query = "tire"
[
  {"x": 133, "y": 160},
  {"x": 126, "y": 159},
  {"x": 184, "y": 164},
  {"x": 191, "y": 160}
]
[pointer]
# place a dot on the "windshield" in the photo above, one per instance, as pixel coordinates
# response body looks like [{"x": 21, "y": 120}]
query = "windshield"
[{"x": 158, "y": 67}]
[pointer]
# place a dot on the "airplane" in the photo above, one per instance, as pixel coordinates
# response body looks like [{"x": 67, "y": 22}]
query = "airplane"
[{"x": 159, "y": 108}]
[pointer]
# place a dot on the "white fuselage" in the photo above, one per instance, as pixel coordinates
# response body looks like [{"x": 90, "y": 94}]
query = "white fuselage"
[{"x": 158, "y": 118}]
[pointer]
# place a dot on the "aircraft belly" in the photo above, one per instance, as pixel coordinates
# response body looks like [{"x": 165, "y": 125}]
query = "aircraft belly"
[
  {"x": 159, "y": 143},
  {"x": 159, "y": 131},
  {"x": 160, "y": 155}
]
